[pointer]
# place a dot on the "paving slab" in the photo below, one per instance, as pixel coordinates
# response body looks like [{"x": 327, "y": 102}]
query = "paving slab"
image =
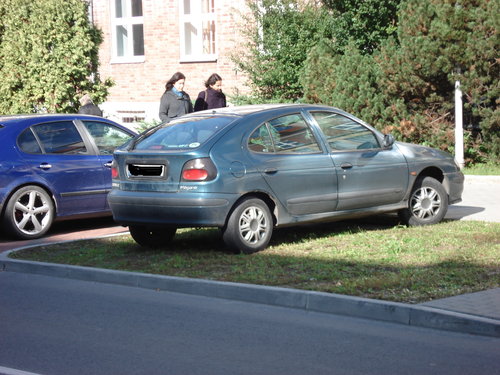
[{"x": 485, "y": 303}]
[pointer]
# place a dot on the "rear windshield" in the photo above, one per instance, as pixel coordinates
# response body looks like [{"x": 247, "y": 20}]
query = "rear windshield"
[{"x": 182, "y": 134}]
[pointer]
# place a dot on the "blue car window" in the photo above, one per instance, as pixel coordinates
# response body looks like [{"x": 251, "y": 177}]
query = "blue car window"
[
  {"x": 284, "y": 135},
  {"x": 107, "y": 137},
  {"x": 28, "y": 143},
  {"x": 60, "y": 138},
  {"x": 344, "y": 134},
  {"x": 188, "y": 133}
]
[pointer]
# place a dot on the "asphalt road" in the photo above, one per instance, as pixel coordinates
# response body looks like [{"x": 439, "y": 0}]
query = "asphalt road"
[{"x": 51, "y": 326}]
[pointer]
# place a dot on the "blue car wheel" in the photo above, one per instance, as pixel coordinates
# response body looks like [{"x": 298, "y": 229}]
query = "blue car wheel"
[{"x": 29, "y": 214}]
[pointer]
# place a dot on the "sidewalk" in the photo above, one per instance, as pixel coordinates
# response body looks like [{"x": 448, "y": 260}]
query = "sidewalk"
[
  {"x": 480, "y": 200},
  {"x": 485, "y": 304}
]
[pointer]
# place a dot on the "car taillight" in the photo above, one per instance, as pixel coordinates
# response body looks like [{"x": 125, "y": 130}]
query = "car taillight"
[
  {"x": 114, "y": 170},
  {"x": 199, "y": 170},
  {"x": 195, "y": 175}
]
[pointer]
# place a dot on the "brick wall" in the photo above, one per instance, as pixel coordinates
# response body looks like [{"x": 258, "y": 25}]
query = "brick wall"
[{"x": 139, "y": 86}]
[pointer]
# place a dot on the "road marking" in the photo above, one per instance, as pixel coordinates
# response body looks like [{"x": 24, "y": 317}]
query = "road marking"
[{"x": 12, "y": 371}]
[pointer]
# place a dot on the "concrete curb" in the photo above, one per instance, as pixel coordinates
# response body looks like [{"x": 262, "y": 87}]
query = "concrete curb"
[{"x": 413, "y": 315}]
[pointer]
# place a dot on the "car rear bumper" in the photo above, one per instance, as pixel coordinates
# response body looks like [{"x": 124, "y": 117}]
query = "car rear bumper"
[{"x": 176, "y": 209}]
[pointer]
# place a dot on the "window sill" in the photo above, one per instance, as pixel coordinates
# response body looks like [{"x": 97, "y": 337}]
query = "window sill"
[
  {"x": 193, "y": 59},
  {"x": 128, "y": 60}
]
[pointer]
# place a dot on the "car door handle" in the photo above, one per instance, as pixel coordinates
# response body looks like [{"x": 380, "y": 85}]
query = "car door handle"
[
  {"x": 270, "y": 170},
  {"x": 109, "y": 164},
  {"x": 45, "y": 166},
  {"x": 346, "y": 165}
]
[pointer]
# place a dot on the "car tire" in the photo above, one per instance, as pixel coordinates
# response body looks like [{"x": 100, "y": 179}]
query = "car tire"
[
  {"x": 249, "y": 227},
  {"x": 428, "y": 203},
  {"x": 152, "y": 237},
  {"x": 29, "y": 213}
]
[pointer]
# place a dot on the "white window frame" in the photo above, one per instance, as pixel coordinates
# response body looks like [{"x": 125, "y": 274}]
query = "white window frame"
[
  {"x": 197, "y": 18},
  {"x": 127, "y": 23}
]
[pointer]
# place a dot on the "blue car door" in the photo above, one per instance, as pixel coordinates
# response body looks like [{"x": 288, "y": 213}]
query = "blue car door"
[
  {"x": 301, "y": 176},
  {"x": 68, "y": 166},
  {"x": 368, "y": 174},
  {"x": 106, "y": 138}
]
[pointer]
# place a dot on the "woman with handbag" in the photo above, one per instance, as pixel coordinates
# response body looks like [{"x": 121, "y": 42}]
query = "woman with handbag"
[{"x": 212, "y": 97}]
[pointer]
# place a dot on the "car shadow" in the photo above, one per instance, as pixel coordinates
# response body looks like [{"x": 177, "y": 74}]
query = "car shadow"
[
  {"x": 210, "y": 239},
  {"x": 317, "y": 230},
  {"x": 461, "y": 212}
]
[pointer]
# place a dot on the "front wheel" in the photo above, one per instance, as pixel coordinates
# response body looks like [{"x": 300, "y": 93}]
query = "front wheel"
[
  {"x": 152, "y": 237},
  {"x": 29, "y": 213},
  {"x": 428, "y": 203},
  {"x": 249, "y": 227}
]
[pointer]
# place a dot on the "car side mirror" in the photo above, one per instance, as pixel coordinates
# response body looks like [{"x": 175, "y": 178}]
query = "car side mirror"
[{"x": 388, "y": 140}]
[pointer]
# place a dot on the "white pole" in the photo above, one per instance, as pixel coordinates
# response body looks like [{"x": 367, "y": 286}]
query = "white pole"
[{"x": 459, "y": 130}]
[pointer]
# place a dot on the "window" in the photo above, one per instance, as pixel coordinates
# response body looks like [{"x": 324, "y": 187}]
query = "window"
[
  {"x": 28, "y": 143},
  {"x": 197, "y": 30},
  {"x": 60, "y": 138},
  {"x": 344, "y": 134},
  {"x": 128, "y": 30},
  {"x": 284, "y": 135},
  {"x": 106, "y": 137},
  {"x": 182, "y": 133}
]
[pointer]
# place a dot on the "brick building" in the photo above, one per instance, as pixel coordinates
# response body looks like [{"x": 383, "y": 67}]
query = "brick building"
[{"x": 146, "y": 41}]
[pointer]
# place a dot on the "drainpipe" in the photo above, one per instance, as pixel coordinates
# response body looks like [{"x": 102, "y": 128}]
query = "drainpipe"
[{"x": 91, "y": 11}]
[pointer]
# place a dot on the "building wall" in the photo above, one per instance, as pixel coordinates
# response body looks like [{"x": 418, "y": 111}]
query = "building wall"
[{"x": 139, "y": 86}]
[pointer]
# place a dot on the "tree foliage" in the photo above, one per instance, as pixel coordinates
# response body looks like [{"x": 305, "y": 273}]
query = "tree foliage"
[
  {"x": 407, "y": 85},
  {"x": 279, "y": 35},
  {"x": 441, "y": 42},
  {"x": 364, "y": 24},
  {"x": 48, "y": 56}
]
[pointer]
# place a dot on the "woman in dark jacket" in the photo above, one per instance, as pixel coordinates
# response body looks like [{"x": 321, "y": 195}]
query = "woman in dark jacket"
[
  {"x": 174, "y": 101},
  {"x": 213, "y": 96}
]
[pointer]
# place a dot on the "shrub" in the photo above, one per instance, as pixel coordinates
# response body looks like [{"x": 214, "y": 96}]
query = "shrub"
[{"x": 48, "y": 56}]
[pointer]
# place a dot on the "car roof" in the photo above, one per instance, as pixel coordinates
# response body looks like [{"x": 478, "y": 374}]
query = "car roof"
[
  {"x": 256, "y": 109},
  {"x": 246, "y": 110},
  {"x": 27, "y": 120},
  {"x": 253, "y": 108},
  {"x": 34, "y": 118}
]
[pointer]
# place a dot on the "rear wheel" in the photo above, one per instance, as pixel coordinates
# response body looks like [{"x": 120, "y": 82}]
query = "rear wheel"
[
  {"x": 428, "y": 203},
  {"x": 152, "y": 237},
  {"x": 249, "y": 227},
  {"x": 29, "y": 213}
]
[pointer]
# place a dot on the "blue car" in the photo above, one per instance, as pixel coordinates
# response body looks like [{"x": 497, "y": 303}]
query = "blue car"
[
  {"x": 247, "y": 170},
  {"x": 54, "y": 167}
]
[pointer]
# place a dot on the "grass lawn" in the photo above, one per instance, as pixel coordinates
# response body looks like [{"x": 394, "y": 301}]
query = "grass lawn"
[
  {"x": 374, "y": 258},
  {"x": 485, "y": 169}
]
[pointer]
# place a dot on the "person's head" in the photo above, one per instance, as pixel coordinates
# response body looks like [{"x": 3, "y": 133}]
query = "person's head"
[
  {"x": 85, "y": 99},
  {"x": 177, "y": 81},
  {"x": 214, "y": 81}
]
